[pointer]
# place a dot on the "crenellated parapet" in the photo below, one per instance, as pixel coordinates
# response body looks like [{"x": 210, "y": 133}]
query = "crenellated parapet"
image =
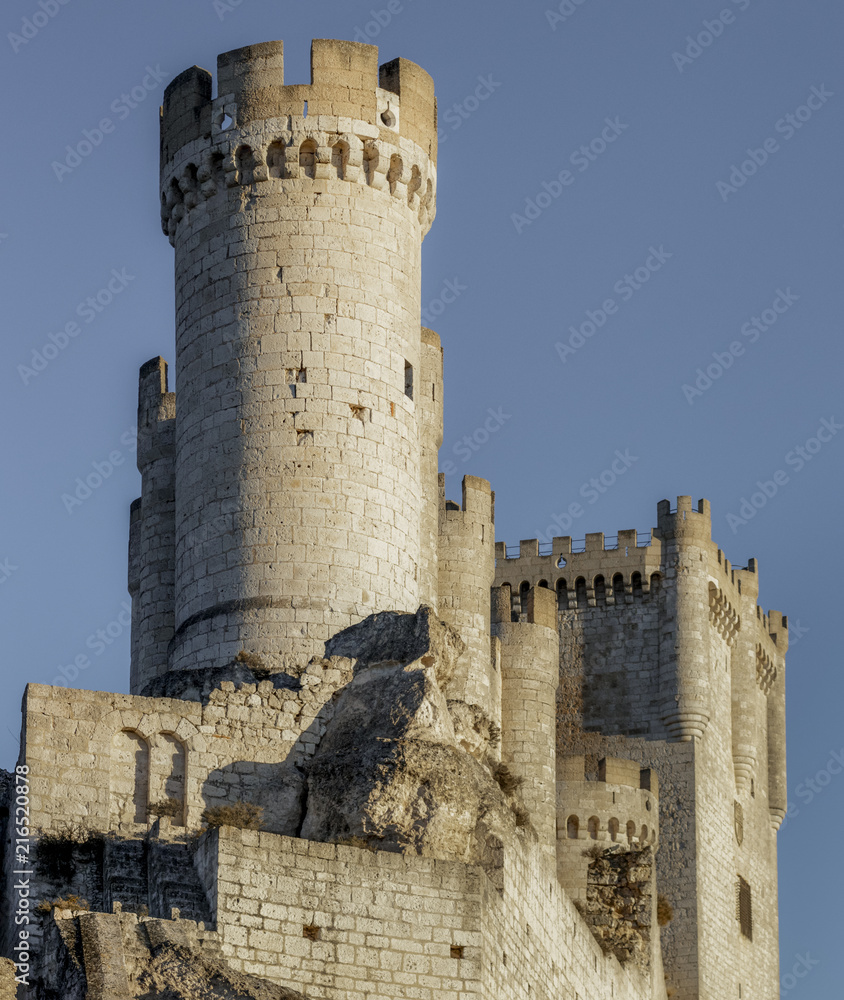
[
  {"x": 600, "y": 571},
  {"x": 355, "y": 122},
  {"x": 621, "y": 808}
]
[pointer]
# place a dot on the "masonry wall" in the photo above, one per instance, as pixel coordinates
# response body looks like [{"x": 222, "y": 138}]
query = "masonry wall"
[
  {"x": 100, "y": 760},
  {"x": 340, "y": 922}
]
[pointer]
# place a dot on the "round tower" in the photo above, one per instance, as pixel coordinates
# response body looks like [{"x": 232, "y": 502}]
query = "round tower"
[
  {"x": 297, "y": 215},
  {"x": 684, "y": 648}
]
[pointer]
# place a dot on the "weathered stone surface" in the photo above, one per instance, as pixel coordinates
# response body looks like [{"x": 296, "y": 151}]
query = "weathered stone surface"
[
  {"x": 8, "y": 986},
  {"x": 124, "y": 959},
  {"x": 619, "y": 903},
  {"x": 389, "y": 770}
]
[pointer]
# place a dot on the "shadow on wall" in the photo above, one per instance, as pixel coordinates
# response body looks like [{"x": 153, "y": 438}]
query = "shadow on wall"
[{"x": 277, "y": 789}]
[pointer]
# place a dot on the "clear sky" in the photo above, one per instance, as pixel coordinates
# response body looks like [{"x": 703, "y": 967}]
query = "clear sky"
[{"x": 708, "y": 206}]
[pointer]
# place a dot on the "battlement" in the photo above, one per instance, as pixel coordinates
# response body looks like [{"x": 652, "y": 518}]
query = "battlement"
[
  {"x": 354, "y": 122},
  {"x": 596, "y": 571},
  {"x": 684, "y": 519}
]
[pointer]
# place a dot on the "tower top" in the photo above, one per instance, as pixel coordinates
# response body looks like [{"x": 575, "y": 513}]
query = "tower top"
[{"x": 396, "y": 98}]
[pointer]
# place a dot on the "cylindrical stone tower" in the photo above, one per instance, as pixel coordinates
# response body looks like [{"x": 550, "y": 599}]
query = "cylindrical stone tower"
[
  {"x": 152, "y": 528},
  {"x": 530, "y": 675},
  {"x": 745, "y": 693},
  {"x": 777, "y": 773},
  {"x": 684, "y": 640},
  {"x": 297, "y": 215}
]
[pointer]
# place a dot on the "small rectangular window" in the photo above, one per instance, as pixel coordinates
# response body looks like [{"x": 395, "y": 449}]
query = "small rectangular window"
[
  {"x": 408, "y": 379},
  {"x": 744, "y": 908}
]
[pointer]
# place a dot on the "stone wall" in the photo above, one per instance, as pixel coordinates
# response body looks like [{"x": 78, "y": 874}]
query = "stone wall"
[{"x": 339, "y": 919}]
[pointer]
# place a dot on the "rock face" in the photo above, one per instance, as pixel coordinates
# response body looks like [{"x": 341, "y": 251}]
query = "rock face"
[
  {"x": 104, "y": 956},
  {"x": 619, "y": 903},
  {"x": 389, "y": 770}
]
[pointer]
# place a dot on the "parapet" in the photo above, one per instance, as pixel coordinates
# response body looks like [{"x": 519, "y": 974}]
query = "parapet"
[
  {"x": 346, "y": 83},
  {"x": 684, "y": 520},
  {"x": 156, "y": 412},
  {"x": 620, "y": 808}
]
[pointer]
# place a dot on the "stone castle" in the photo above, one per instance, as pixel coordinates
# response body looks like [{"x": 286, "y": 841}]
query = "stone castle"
[{"x": 370, "y": 754}]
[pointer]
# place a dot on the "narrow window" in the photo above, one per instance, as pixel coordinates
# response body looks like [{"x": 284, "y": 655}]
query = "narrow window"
[
  {"x": 307, "y": 158},
  {"x": 744, "y": 908},
  {"x": 408, "y": 380},
  {"x": 600, "y": 591},
  {"x": 562, "y": 595},
  {"x": 618, "y": 587},
  {"x": 580, "y": 592}
]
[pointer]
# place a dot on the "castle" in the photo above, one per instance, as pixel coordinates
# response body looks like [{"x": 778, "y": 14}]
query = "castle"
[{"x": 369, "y": 753}]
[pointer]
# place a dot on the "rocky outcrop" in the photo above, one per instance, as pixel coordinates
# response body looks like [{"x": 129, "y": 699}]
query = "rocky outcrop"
[
  {"x": 390, "y": 770},
  {"x": 119, "y": 956}
]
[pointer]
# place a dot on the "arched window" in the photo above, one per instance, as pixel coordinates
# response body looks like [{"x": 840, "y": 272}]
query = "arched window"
[
  {"x": 394, "y": 174},
  {"x": 370, "y": 161},
  {"x": 613, "y": 828},
  {"x": 275, "y": 159},
  {"x": 524, "y": 590},
  {"x": 245, "y": 162},
  {"x": 655, "y": 581},
  {"x": 572, "y": 827},
  {"x": 129, "y": 778},
  {"x": 600, "y": 591},
  {"x": 340, "y": 158},
  {"x": 307, "y": 159},
  {"x": 562, "y": 594},
  {"x": 413, "y": 184},
  {"x": 167, "y": 778},
  {"x": 618, "y": 588},
  {"x": 594, "y": 825},
  {"x": 636, "y": 584},
  {"x": 580, "y": 592}
]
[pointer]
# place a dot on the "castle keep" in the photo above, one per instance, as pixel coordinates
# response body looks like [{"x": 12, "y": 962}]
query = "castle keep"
[{"x": 368, "y": 753}]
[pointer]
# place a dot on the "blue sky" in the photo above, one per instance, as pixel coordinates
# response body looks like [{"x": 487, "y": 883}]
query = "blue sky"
[{"x": 638, "y": 250}]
